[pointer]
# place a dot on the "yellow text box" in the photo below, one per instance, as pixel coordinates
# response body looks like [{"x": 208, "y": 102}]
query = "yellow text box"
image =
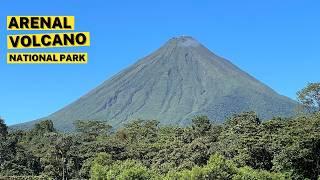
[
  {"x": 47, "y": 58},
  {"x": 40, "y": 22},
  {"x": 50, "y": 40}
]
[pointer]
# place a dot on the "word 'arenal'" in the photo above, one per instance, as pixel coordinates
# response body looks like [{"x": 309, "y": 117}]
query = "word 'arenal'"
[{"x": 40, "y": 22}]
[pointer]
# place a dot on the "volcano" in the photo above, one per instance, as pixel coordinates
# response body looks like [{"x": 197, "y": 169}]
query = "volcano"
[{"x": 178, "y": 81}]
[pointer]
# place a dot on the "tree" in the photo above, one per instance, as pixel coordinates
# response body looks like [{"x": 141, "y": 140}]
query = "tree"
[
  {"x": 298, "y": 145},
  {"x": 104, "y": 168},
  {"x": 141, "y": 131},
  {"x": 217, "y": 168},
  {"x": 201, "y": 125},
  {"x": 100, "y": 164},
  {"x": 3, "y": 130},
  {"x": 241, "y": 142},
  {"x": 42, "y": 128},
  {"x": 58, "y": 160},
  {"x": 14, "y": 158},
  {"x": 310, "y": 96},
  {"x": 246, "y": 173},
  {"x": 92, "y": 129},
  {"x": 21, "y": 162},
  {"x": 3, "y": 143}
]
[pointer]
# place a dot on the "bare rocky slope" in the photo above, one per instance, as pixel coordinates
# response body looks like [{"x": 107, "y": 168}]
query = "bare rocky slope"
[{"x": 176, "y": 82}]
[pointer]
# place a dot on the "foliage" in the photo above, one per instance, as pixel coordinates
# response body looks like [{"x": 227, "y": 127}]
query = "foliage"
[
  {"x": 310, "y": 96},
  {"x": 3, "y": 130},
  {"x": 104, "y": 168},
  {"x": 245, "y": 173},
  {"x": 221, "y": 169},
  {"x": 92, "y": 129},
  {"x": 242, "y": 148}
]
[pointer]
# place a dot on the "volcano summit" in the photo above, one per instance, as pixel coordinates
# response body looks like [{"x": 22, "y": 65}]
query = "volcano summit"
[{"x": 176, "y": 82}]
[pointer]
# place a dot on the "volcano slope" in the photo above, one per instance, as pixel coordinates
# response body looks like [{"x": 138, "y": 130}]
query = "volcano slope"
[{"x": 176, "y": 82}]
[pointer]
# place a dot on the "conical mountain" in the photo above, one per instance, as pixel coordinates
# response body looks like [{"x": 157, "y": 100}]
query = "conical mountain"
[{"x": 176, "y": 82}]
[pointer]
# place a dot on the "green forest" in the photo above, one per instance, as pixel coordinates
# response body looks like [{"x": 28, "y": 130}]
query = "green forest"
[{"x": 242, "y": 148}]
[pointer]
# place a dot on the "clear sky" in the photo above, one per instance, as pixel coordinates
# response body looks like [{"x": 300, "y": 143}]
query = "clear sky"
[{"x": 276, "y": 41}]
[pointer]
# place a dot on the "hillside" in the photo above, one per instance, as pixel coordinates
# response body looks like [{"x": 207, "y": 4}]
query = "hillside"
[{"x": 176, "y": 82}]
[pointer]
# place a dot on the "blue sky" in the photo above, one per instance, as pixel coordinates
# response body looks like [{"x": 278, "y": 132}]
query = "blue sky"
[{"x": 278, "y": 42}]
